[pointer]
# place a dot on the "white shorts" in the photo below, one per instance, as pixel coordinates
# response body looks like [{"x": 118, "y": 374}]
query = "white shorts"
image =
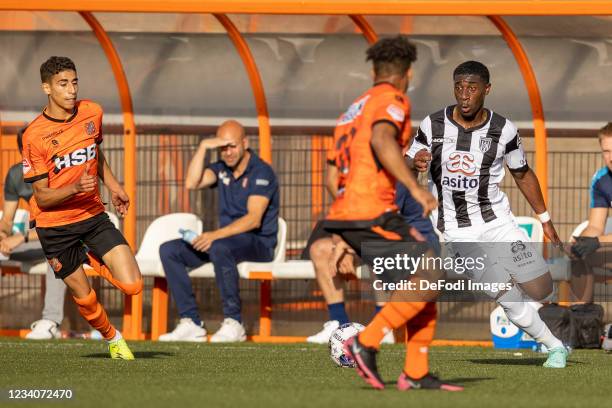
[{"x": 509, "y": 255}]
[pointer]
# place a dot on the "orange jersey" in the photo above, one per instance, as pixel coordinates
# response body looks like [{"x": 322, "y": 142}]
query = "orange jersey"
[
  {"x": 58, "y": 150},
  {"x": 365, "y": 189}
]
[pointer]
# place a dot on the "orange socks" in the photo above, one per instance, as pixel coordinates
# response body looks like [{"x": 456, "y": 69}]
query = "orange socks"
[
  {"x": 392, "y": 316},
  {"x": 94, "y": 313},
  {"x": 127, "y": 288},
  {"x": 419, "y": 335}
]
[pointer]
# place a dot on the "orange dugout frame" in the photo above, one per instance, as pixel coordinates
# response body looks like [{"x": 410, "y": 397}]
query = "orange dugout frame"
[{"x": 494, "y": 10}]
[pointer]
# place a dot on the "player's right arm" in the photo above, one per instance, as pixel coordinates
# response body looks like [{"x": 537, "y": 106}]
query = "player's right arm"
[
  {"x": 419, "y": 154},
  {"x": 197, "y": 175},
  {"x": 388, "y": 153},
  {"x": 35, "y": 172},
  {"x": 47, "y": 197}
]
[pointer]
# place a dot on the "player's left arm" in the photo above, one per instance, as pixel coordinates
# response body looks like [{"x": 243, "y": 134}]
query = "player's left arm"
[
  {"x": 119, "y": 198},
  {"x": 527, "y": 182}
]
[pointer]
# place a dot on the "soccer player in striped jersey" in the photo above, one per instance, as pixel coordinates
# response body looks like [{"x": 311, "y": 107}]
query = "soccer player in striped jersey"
[{"x": 464, "y": 147}]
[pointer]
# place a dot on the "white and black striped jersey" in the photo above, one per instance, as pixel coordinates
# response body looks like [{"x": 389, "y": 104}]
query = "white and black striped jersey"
[{"x": 467, "y": 166}]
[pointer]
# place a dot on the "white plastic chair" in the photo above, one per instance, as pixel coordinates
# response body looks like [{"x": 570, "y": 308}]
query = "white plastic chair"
[
  {"x": 297, "y": 269},
  {"x": 163, "y": 229},
  {"x": 245, "y": 268}
]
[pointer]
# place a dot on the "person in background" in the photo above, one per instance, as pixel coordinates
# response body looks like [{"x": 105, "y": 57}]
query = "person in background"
[
  {"x": 22, "y": 244},
  {"x": 592, "y": 247},
  {"x": 248, "y": 219}
]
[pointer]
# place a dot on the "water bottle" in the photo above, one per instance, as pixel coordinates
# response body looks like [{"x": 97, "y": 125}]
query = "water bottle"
[
  {"x": 19, "y": 228},
  {"x": 187, "y": 235}
]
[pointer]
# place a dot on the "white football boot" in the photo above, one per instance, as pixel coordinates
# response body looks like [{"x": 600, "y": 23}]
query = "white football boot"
[
  {"x": 186, "y": 330},
  {"x": 44, "y": 329},
  {"x": 324, "y": 335},
  {"x": 231, "y": 331}
]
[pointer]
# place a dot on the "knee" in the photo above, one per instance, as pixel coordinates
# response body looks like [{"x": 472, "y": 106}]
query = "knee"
[
  {"x": 169, "y": 249},
  {"x": 542, "y": 290},
  {"x": 219, "y": 249},
  {"x": 321, "y": 249},
  {"x": 132, "y": 288}
]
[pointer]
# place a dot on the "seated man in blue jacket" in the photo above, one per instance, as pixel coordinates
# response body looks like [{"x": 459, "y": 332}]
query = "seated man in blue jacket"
[{"x": 248, "y": 225}]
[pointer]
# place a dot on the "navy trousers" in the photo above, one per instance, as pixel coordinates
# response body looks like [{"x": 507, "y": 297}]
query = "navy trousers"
[{"x": 225, "y": 254}]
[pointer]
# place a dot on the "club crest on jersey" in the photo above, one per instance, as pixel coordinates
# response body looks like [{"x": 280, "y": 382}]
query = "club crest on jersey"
[
  {"x": 461, "y": 162},
  {"x": 26, "y": 166},
  {"x": 78, "y": 157},
  {"x": 224, "y": 178},
  {"x": 485, "y": 144},
  {"x": 90, "y": 128}
]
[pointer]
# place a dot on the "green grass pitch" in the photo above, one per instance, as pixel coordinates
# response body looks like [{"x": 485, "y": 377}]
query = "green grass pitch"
[{"x": 271, "y": 375}]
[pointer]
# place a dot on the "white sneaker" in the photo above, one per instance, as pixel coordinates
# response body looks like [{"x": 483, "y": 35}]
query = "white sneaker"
[
  {"x": 324, "y": 335},
  {"x": 389, "y": 338},
  {"x": 230, "y": 331},
  {"x": 186, "y": 330},
  {"x": 44, "y": 330}
]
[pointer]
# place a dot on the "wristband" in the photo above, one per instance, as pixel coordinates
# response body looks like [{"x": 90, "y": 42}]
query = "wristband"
[{"x": 544, "y": 217}]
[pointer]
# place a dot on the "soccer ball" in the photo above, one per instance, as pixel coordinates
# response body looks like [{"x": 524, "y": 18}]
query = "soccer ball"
[{"x": 336, "y": 343}]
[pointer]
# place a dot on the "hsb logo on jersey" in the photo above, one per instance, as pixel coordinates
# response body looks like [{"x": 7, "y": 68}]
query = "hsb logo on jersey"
[
  {"x": 461, "y": 162},
  {"x": 78, "y": 157}
]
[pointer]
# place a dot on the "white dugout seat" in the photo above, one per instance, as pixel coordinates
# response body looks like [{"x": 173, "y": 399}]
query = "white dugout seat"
[
  {"x": 163, "y": 229},
  {"x": 246, "y": 268}
]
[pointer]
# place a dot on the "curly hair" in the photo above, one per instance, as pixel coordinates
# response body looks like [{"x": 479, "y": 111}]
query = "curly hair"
[
  {"x": 55, "y": 65},
  {"x": 473, "y": 68},
  {"x": 392, "y": 55}
]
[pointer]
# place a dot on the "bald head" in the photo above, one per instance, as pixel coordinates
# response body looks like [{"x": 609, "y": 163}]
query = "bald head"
[
  {"x": 231, "y": 129},
  {"x": 232, "y": 132}
]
